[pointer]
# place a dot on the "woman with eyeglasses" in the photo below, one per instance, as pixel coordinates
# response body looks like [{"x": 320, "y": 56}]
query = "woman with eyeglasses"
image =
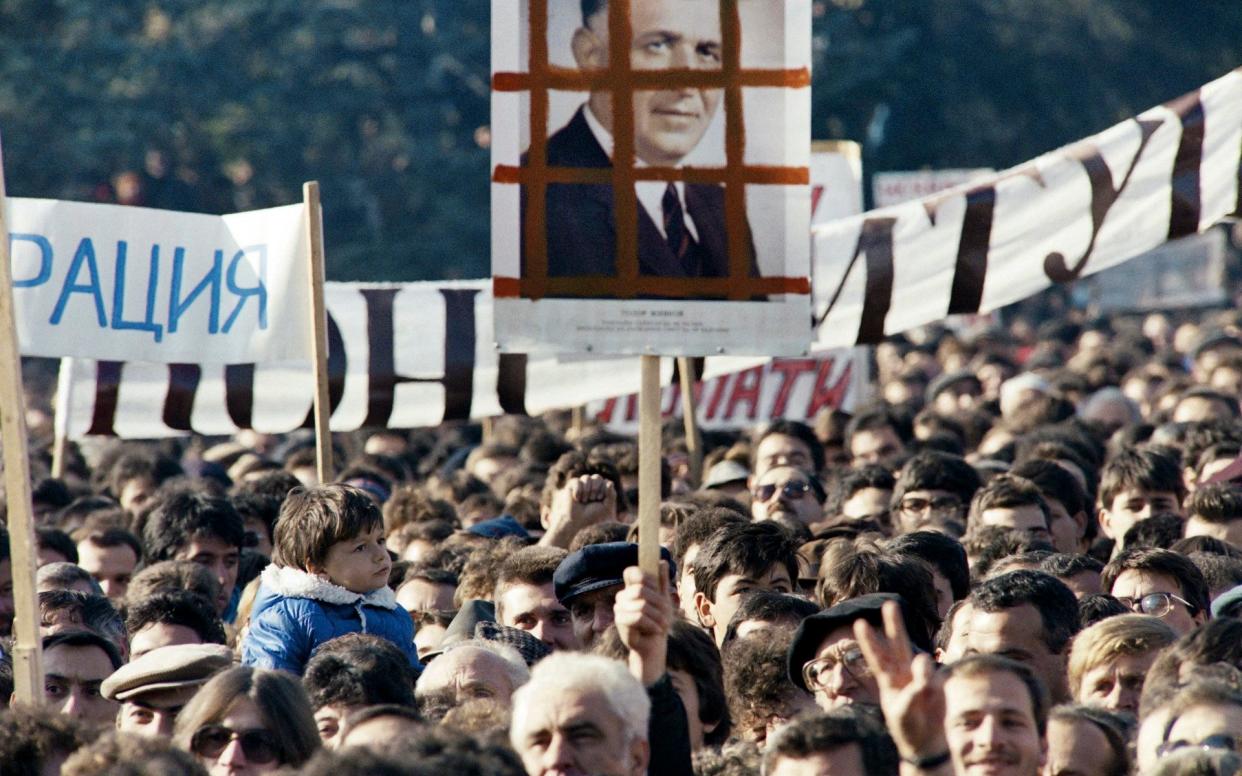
[{"x": 248, "y": 721}]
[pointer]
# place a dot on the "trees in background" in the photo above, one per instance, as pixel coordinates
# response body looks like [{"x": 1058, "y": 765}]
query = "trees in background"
[{"x": 224, "y": 105}]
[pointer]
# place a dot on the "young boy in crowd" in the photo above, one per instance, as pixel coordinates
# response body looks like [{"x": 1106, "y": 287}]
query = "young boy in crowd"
[
  {"x": 1135, "y": 485},
  {"x": 328, "y": 577}
]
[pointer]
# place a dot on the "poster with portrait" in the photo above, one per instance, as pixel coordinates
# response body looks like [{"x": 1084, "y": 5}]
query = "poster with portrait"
[{"x": 650, "y": 176}]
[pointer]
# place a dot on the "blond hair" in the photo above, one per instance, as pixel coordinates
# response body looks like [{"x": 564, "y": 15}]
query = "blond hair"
[{"x": 1125, "y": 634}]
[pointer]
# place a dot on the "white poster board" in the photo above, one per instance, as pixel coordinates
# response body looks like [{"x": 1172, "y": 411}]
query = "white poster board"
[
  {"x": 836, "y": 180},
  {"x": 894, "y": 188},
  {"x": 136, "y": 284},
  {"x": 1189, "y": 272},
  {"x": 674, "y": 226}
]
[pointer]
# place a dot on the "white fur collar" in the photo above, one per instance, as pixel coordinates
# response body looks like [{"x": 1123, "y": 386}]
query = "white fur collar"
[{"x": 295, "y": 583}]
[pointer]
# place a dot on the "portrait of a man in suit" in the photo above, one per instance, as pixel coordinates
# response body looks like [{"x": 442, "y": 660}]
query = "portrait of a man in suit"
[{"x": 681, "y": 226}]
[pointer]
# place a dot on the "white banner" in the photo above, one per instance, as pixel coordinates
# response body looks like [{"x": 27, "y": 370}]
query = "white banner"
[
  {"x": 791, "y": 388},
  {"x": 1170, "y": 172},
  {"x": 418, "y": 354},
  {"x": 129, "y": 283},
  {"x": 400, "y": 356}
]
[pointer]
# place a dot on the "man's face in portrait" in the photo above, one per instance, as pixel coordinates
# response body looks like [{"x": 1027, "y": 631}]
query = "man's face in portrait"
[{"x": 668, "y": 35}]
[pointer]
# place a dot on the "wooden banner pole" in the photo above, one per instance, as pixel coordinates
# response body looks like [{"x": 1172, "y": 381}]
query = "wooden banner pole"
[
  {"x": 690, "y": 417},
  {"x": 489, "y": 429},
  {"x": 319, "y": 329},
  {"x": 27, "y": 652},
  {"x": 649, "y": 466},
  {"x": 577, "y": 421},
  {"x": 60, "y": 417}
]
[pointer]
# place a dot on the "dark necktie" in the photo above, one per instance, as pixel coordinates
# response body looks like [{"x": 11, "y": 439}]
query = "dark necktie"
[{"x": 675, "y": 231}]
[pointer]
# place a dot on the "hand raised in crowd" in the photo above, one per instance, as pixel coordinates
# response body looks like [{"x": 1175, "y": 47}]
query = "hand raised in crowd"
[
  {"x": 584, "y": 501},
  {"x": 644, "y": 615},
  {"x": 911, "y": 691}
]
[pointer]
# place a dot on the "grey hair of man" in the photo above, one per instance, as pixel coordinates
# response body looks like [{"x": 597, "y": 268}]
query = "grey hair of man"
[
  {"x": 64, "y": 576},
  {"x": 515, "y": 667},
  {"x": 572, "y": 671}
]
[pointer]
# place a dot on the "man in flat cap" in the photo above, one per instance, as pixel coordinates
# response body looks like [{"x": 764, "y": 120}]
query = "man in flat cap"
[
  {"x": 153, "y": 688},
  {"x": 587, "y": 583},
  {"x": 826, "y": 660}
]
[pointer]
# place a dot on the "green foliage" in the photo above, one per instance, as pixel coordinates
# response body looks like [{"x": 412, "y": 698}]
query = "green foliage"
[
  {"x": 385, "y": 102},
  {"x": 377, "y": 99},
  {"x": 992, "y": 83}
]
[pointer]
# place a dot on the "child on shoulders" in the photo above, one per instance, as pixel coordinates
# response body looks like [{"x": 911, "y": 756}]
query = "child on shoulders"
[{"x": 328, "y": 577}]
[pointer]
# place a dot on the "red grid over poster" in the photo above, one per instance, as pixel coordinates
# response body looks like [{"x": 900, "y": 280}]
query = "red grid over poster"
[{"x": 622, "y": 80}]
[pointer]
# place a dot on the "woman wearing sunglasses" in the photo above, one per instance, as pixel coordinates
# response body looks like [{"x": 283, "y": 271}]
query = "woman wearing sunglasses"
[{"x": 248, "y": 721}]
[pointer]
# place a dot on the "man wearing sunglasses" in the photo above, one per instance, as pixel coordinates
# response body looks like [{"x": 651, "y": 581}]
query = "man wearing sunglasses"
[
  {"x": 1160, "y": 583},
  {"x": 787, "y": 491},
  {"x": 933, "y": 492}
]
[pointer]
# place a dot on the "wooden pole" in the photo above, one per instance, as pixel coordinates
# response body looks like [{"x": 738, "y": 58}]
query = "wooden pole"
[
  {"x": 27, "y": 652},
  {"x": 577, "y": 421},
  {"x": 60, "y": 419},
  {"x": 319, "y": 329},
  {"x": 690, "y": 418},
  {"x": 649, "y": 466},
  {"x": 489, "y": 429}
]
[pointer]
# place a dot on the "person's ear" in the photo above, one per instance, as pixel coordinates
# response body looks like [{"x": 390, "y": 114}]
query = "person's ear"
[
  {"x": 640, "y": 756},
  {"x": 1080, "y": 519},
  {"x": 703, "y": 607},
  {"x": 590, "y": 50},
  {"x": 545, "y": 512},
  {"x": 1106, "y": 524}
]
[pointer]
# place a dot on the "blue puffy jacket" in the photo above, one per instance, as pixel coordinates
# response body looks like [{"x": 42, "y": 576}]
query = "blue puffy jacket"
[{"x": 295, "y": 612}]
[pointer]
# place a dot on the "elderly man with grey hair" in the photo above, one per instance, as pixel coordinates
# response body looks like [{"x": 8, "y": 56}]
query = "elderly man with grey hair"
[
  {"x": 581, "y": 714},
  {"x": 66, "y": 576},
  {"x": 469, "y": 670},
  {"x": 587, "y": 714},
  {"x": 1110, "y": 409}
]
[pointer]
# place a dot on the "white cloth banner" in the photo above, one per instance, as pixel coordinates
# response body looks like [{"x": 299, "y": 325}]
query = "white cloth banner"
[
  {"x": 400, "y": 356},
  {"x": 129, "y": 283},
  {"x": 1172, "y": 171},
  {"x": 790, "y": 388}
]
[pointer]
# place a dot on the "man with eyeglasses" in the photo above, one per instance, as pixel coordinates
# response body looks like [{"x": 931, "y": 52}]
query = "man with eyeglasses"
[
  {"x": 932, "y": 493},
  {"x": 825, "y": 659},
  {"x": 1203, "y": 715},
  {"x": 1160, "y": 583},
  {"x": 787, "y": 491}
]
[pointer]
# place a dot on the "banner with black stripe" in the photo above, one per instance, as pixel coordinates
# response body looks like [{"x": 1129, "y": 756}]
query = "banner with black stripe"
[
  {"x": 1172, "y": 171},
  {"x": 399, "y": 356}
]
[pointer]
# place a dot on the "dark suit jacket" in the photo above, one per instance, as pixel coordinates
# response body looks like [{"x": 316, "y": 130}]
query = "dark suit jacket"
[{"x": 581, "y": 221}]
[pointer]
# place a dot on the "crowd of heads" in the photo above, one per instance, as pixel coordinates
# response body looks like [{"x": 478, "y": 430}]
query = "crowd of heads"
[{"x": 1023, "y": 556}]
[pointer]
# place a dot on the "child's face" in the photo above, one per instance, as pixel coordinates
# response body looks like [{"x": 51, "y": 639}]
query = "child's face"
[{"x": 360, "y": 563}]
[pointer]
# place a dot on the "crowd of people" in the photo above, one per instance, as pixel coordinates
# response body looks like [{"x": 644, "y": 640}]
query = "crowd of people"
[{"x": 1024, "y": 557}]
